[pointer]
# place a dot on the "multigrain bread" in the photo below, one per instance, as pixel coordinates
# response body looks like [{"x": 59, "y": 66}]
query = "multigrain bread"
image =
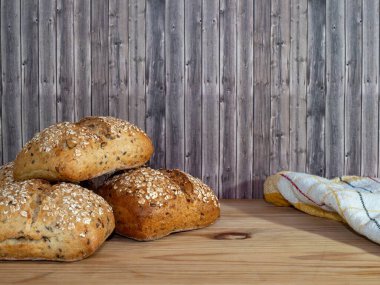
[
  {"x": 40, "y": 221},
  {"x": 80, "y": 151},
  {"x": 149, "y": 204}
]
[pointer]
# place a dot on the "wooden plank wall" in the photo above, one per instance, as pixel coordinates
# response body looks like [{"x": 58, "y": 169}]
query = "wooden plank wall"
[{"x": 229, "y": 90}]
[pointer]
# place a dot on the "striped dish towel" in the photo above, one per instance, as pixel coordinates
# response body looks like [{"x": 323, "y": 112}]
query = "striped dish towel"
[{"x": 350, "y": 199}]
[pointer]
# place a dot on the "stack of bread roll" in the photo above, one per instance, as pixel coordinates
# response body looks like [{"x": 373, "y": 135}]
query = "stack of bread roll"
[{"x": 47, "y": 213}]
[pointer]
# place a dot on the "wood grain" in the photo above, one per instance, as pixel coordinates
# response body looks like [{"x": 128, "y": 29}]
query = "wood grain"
[
  {"x": 193, "y": 90},
  {"x": 210, "y": 93},
  {"x": 47, "y": 70},
  {"x": 65, "y": 60},
  {"x": 175, "y": 101},
  {"x": 118, "y": 59},
  {"x": 370, "y": 89},
  {"x": 11, "y": 79},
  {"x": 261, "y": 93},
  {"x": 280, "y": 54},
  {"x": 1, "y": 95},
  {"x": 335, "y": 74},
  {"x": 316, "y": 88},
  {"x": 227, "y": 115},
  {"x": 99, "y": 58},
  {"x": 155, "y": 79},
  {"x": 137, "y": 35},
  {"x": 252, "y": 243},
  {"x": 353, "y": 90},
  {"x": 82, "y": 58},
  {"x": 229, "y": 90},
  {"x": 297, "y": 85},
  {"x": 244, "y": 94},
  {"x": 29, "y": 69}
]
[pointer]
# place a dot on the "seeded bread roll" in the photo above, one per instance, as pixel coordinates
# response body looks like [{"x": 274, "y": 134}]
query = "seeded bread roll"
[
  {"x": 80, "y": 151},
  {"x": 40, "y": 221},
  {"x": 149, "y": 204}
]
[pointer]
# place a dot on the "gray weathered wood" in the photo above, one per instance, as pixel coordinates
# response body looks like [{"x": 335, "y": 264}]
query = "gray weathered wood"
[
  {"x": 261, "y": 93},
  {"x": 1, "y": 94},
  {"x": 227, "y": 79},
  {"x": 11, "y": 78},
  {"x": 99, "y": 57},
  {"x": 65, "y": 60},
  {"x": 82, "y": 58},
  {"x": 155, "y": 78},
  {"x": 137, "y": 63},
  {"x": 47, "y": 62},
  {"x": 175, "y": 109},
  {"x": 280, "y": 53},
  {"x": 118, "y": 58},
  {"x": 229, "y": 90},
  {"x": 29, "y": 69},
  {"x": 370, "y": 88},
  {"x": 210, "y": 93},
  {"x": 244, "y": 77},
  {"x": 353, "y": 90},
  {"x": 335, "y": 67},
  {"x": 297, "y": 85},
  {"x": 193, "y": 88},
  {"x": 315, "y": 163}
]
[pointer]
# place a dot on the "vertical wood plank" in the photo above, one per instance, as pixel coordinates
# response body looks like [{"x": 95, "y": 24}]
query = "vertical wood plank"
[
  {"x": 227, "y": 73},
  {"x": 11, "y": 79},
  {"x": 118, "y": 58},
  {"x": 136, "y": 86},
  {"x": 65, "y": 60},
  {"x": 47, "y": 62},
  {"x": 1, "y": 90},
  {"x": 193, "y": 88},
  {"x": 370, "y": 88},
  {"x": 315, "y": 163},
  {"x": 280, "y": 53},
  {"x": 297, "y": 87},
  {"x": 29, "y": 69},
  {"x": 210, "y": 93},
  {"x": 82, "y": 58},
  {"x": 244, "y": 99},
  {"x": 175, "y": 109},
  {"x": 261, "y": 91},
  {"x": 99, "y": 57},
  {"x": 155, "y": 78},
  {"x": 353, "y": 90},
  {"x": 335, "y": 53}
]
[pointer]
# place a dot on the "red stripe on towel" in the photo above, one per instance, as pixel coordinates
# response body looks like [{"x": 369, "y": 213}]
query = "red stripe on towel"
[
  {"x": 374, "y": 179},
  {"x": 299, "y": 190}
]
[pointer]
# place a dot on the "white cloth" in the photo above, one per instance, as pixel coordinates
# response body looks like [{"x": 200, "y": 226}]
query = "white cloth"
[{"x": 355, "y": 199}]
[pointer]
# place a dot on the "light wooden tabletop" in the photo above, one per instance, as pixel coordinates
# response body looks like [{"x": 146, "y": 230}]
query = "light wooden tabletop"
[{"x": 252, "y": 243}]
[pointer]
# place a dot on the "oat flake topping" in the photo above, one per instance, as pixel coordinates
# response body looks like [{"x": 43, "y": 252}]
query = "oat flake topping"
[
  {"x": 79, "y": 135},
  {"x": 64, "y": 203}
]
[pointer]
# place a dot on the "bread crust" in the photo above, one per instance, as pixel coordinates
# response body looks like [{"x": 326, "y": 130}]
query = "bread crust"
[
  {"x": 74, "y": 152},
  {"x": 149, "y": 204},
  {"x": 41, "y": 221}
]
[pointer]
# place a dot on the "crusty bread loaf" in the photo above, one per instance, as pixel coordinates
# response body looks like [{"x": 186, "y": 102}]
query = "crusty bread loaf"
[
  {"x": 80, "y": 151},
  {"x": 149, "y": 204},
  {"x": 6, "y": 174},
  {"x": 40, "y": 221}
]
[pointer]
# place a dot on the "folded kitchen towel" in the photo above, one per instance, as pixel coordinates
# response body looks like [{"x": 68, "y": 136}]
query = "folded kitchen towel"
[{"x": 350, "y": 199}]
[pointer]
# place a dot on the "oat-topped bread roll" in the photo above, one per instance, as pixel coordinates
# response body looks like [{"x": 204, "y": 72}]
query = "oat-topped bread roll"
[
  {"x": 149, "y": 204},
  {"x": 80, "y": 151},
  {"x": 40, "y": 221},
  {"x": 6, "y": 174}
]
